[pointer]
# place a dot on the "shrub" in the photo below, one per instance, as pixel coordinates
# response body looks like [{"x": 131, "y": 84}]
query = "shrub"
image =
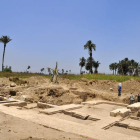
[{"x": 7, "y": 69}]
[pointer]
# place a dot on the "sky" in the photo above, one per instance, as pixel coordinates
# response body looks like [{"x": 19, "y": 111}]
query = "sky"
[{"x": 46, "y": 31}]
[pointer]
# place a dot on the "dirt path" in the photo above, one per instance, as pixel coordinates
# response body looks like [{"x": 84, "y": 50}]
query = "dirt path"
[{"x": 12, "y": 128}]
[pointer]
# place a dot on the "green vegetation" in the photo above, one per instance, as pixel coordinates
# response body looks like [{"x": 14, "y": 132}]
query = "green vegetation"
[
  {"x": 7, "y": 69},
  {"x": 20, "y": 75},
  {"x": 28, "y": 68},
  {"x": 82, "y": 63},
  {"x": 125, "y": 67},
  {"x": 116, "y": 78},
  {"x": 4, "y": 40},
  {"x": 89, "y": 45}
]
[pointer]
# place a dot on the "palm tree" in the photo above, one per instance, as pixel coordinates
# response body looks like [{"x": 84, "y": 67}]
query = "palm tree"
[
  {"x": 4, "y": 40},
  {"x": 62, "y": 71},
  {"x": 28, "y": 68},
  {"x": 112, "y": 67},
  {"x": 88, "y": 64},
  {"x": 115, "y": 67},
  {"x": 89, "y": 45},
  {"x": 49, "y": 71},
  {"x": 96, "y": 65},
  {"x": 82, "y": 63},
  {"x": 42, "y": 69}
]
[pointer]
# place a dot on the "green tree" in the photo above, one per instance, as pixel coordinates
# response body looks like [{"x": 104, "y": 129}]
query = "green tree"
[
  {"x": 89, "y": 63},
  {"x": 49, "y": 71},
  {"x": 82, "y": 63},
  {"x": 89, "y": 45},
  {"x": 42, "y": 69},
  {"x": 4, "y": 40},
  {"x": 115, "y": 67},
  {"x": 28, "y": 68},
  {"x": 62, "y": 71},
  {"x": 96, "y": 65},
  {"x": 7, "y": 69},
  {"x": 136, "y": 73},
  {"x": 112, "y": 67}
]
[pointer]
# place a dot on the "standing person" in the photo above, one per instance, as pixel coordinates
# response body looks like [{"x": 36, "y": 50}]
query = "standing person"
[
  {"x": 138, "y": 97},
  {"x": 119, "y": 89},
  {"x": 131, "y": 99}
]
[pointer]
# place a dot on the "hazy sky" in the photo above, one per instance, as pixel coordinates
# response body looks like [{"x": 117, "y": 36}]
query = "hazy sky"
[{"x": 46, "y": 31}]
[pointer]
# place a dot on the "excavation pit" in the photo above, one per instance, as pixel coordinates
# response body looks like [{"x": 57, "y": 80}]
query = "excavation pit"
[{"x": 102, "y": 110}]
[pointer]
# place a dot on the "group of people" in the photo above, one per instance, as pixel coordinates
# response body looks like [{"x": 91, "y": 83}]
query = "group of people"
[{"x": 132, "y": 97}]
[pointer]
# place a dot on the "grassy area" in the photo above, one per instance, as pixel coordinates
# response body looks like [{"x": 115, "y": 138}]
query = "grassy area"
[
  {"x": 116, "y": 78},
  {"x": 20, "y": 75}
]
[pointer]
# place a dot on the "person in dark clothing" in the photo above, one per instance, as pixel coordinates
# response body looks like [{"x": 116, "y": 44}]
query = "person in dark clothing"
[
  {"x": 119, "y": 89},
  {"x": 132, "y": 100},
  {"x": 138, "y": 97}
]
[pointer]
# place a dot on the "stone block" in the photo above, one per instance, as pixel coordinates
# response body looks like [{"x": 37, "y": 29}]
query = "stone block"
[
  {"x": 123, "y": 112},
  {"x": 134, "y": 107}
]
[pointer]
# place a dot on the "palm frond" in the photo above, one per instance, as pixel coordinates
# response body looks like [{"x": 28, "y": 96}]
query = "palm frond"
[{"x": 5, "y": 39}]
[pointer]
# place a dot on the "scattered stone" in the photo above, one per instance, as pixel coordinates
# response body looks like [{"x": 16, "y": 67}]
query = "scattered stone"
[
  {"x": 111, "y": 89},
  {"x": 12, "y": 85}
]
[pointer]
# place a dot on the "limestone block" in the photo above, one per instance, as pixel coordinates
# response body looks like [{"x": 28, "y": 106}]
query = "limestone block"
[
  {"x": 134, "y": 107},
  {"x": 123, "y": 112}
]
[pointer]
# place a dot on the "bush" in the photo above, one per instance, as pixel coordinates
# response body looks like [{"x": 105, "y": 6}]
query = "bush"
[
  {"x": 7, "y": 69},
  {"x": 18, "y": 81}
]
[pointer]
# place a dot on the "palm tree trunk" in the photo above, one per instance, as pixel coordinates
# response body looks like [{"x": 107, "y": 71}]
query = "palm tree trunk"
[
  {"x": 3, "y": 57},
  {"x": 113, "y": 72},
  {"x": 80, "y": 70},
  {"x": 91, "y": 62}
]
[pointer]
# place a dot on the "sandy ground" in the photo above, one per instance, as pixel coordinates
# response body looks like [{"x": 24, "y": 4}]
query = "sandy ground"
[
  {"x": 100, "y": 109},
  {"x": 12, "y": 128},
  {"x": 125, "y": 131}
]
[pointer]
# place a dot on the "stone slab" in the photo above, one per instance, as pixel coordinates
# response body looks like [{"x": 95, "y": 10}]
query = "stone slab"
[
  {"x": 81, "y": 115},
  {"x": 95, "y": 102},
  {"x": 8, "y": 101},
  {"x": 91, "y": 117},
  {"x": 20, "y": 103},
  {"x": 70, "y": 107},
  {"x": 51, "y": 111},
  {"x": 45, "y": 105},
  {"x": 59, "y": 109}
]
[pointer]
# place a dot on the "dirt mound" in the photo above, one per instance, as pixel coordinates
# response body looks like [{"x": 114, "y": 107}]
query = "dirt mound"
[
  {"x": 70, "y": 91},
  {"x": 37, "y": 80},
  {"x": 18, "y": 81}
]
